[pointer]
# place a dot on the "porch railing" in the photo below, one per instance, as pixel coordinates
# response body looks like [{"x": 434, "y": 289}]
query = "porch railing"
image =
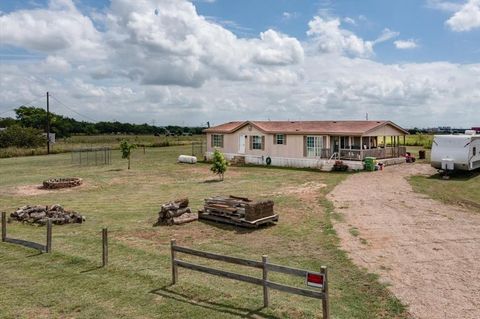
[{"x": 357, "y": 154}]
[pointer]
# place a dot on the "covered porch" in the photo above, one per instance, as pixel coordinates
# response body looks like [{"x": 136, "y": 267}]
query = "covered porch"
[{"x": 359, "y": 147}]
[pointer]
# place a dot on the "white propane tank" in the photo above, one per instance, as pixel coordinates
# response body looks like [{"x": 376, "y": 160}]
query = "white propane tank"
[{"x": 187, "y": 159}]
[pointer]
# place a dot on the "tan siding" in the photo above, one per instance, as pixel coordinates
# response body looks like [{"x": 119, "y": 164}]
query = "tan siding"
[{"x": 386, "y": 130}]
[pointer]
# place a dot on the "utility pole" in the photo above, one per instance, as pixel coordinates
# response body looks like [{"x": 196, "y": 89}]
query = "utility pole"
[{"x": 48, "y": 124}]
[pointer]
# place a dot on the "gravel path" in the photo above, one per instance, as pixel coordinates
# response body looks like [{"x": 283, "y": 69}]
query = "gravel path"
[{"x": 428, "y": 252}]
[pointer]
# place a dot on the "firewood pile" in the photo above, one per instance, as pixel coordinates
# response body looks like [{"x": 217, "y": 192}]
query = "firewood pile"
[
  {"x": 175, "y": 213},
  {"x": 238, "y": 210},
  {"x": 41, "y": 214}
]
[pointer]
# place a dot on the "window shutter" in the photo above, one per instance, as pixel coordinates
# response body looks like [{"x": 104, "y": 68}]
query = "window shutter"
[
  {"x": 274, "y": 139},
  {"x": 250, "y": 144},
  {"x": 304, "y": 146},
  {"x": 285, "y": 139},
  {"x": 211, "y": 140},
  {"x": 221, "y": 141},
  {"x": 263, "y": 142}
]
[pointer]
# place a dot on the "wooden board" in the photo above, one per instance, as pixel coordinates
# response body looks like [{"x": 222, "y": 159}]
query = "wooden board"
[{"x": 238, "y": 221}]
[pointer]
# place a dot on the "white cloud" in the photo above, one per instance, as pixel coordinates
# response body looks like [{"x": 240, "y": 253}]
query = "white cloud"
[
  {"x": 175, "y": 66},
  {"x": 405, "y": 44},
  {"x": 350, "y": 21},
  {"x": 386, "y": 35},
  {"x": 447, "y": 6},
  {"x": 290, "y": 15},
  {"x": 330, "y": 37},
  {"x": 59, "y": 28},
  {"x": 467, "y": 18},
  {"x": 173, "y": 45}
]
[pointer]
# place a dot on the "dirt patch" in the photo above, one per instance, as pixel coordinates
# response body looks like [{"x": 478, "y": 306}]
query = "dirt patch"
[
  {"x": 308, "y": 191},
  {"x": 35, "y": 190},
  {"x": 427, "y": 251}
]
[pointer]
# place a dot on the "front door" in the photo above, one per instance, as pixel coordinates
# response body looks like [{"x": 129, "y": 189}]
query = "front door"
[
  {"x": 241, "y": 144},
  {"x": 335, "y": 142}
]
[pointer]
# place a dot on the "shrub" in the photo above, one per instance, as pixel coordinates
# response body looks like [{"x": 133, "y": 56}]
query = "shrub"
[
  {"x": 24, "y": 137},
  {"x": 126, "y": 149},
  {"x": 219, "y": 165}
]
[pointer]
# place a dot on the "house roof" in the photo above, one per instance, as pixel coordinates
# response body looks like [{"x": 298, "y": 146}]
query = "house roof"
[{"x": 306, "y": 127}]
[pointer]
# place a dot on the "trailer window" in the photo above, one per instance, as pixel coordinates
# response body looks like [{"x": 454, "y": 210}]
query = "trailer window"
[{"x": 474, "y": 151}]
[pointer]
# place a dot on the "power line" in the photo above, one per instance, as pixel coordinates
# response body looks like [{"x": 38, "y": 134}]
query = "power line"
[
  {"x": 85, "y": 116},
  {"x": 24, "y": 104},
  {"x": 12, "y": 110}
]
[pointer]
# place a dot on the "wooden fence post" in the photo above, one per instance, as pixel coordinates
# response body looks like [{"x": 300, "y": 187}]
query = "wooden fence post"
[
  {"x": 48, "y": 247},
  {"x": 325, "y": 306},
  {"x": 4, "y": 226},
  {"x": 174, "y": 267},
  {"x": 265, "y": 278},
  {"x": 104, "y": 247}
]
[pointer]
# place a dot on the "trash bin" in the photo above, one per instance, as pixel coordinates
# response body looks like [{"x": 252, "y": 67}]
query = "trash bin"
[
  {"x": 370, "y": 163},
  {"x": 421, "y": 154}
]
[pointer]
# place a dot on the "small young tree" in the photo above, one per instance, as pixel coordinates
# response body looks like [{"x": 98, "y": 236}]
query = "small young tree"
[
  {"x": 126, "y": 149},
  {"x": 219, "y": 165}
]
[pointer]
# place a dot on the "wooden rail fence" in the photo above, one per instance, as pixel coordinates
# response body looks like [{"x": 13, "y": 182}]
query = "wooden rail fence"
[
  {"x": 47, "y": 248},
  {"x": 266, "y": 267}
]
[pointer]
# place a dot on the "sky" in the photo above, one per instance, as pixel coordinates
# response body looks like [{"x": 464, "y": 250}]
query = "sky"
[{"x": 415, "y": 62}]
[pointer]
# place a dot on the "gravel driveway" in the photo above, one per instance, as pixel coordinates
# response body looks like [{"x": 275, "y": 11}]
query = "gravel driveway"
[{"x": 428, "y": 252}]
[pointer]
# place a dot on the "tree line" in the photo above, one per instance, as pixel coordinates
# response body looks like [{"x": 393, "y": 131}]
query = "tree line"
[{"x": 36, "y": 118}]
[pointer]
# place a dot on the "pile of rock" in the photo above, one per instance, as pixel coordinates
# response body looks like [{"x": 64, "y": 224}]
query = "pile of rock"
[
  {"x": 55, "y": 183},
  {"x": 175, "y": 213},
  {"x": 41, "y": 214}
]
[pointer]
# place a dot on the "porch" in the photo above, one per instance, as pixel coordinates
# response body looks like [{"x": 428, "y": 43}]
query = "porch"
[
  {"x": 356, "y": 148},
  {"x": 387, "y": 152}
]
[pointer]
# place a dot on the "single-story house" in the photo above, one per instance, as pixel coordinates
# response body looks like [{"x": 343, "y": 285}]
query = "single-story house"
[{"x": 306, "y": 143}]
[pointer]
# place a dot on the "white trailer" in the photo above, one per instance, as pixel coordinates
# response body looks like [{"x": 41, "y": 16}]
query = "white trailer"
[{"x": 456, "y": 152}]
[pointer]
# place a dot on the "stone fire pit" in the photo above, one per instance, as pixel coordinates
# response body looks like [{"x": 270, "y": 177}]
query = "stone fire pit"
[{"x": 56, "y": 183}]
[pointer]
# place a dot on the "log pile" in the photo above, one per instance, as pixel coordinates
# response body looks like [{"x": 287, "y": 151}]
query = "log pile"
[
  {"x": 238, "y": 210},
  {"x": 41, "y": 214},
  {"x": 175, "y": 213}
]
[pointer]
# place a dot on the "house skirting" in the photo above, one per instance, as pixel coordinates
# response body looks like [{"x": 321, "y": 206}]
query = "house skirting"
[{"x": 320, "y": 164}]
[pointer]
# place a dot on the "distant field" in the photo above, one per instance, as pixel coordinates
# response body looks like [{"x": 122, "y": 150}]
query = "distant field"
[
  {"x": 69, "y": 284},
  {"x": 63, "y": 145},
  {"x": 423, "y": 140},
  {"x": 461, "y": 189}
]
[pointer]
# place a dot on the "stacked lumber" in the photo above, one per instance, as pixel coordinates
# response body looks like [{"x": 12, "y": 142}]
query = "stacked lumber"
[
  {"x": 175, "y": 213},
  {"x": 238, "y": 210},
  {"x": 39, "y": 215}
]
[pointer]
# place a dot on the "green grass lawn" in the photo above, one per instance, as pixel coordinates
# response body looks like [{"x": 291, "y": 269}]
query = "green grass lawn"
[
  {"x": 463, "y": 188},
  {"x": 69, "y": 283}
]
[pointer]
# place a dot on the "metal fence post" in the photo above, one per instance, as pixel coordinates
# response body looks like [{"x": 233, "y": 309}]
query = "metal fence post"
[
  {"x": 325, "y": 305},
  {"x": 174, "y": 266},
  {"x": 4, "y": 226},
  {"x": 48, "y": 247},
  {"x": 104, "y": 247},
  {"x": 265, "y": 278}
]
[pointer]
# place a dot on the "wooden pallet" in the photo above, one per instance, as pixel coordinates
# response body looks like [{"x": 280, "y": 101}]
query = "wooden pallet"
[{"x": 238, "y": 221}]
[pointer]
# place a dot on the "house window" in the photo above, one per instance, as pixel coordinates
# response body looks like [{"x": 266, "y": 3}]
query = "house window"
[
  {"x": 314, "y": 146},
  {"x": 217, "y": 140},
  {"x": 280, "y": 139},
  {"x": 257, "y": 142}
]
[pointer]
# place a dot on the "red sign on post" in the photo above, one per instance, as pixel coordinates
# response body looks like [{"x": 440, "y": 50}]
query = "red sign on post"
[{"x": 315, "y": 279}]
